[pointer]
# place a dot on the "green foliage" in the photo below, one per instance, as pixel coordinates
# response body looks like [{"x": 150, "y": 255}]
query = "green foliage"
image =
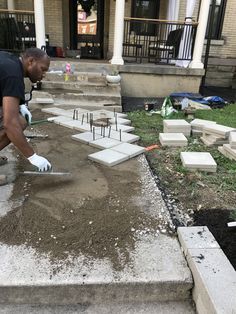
[{"x": 167, "y": 161}]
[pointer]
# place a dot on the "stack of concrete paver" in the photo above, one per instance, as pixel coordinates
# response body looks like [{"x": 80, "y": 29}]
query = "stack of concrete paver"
[
  {"x": 216, "y": 134},
  {"x": 229, "y": 150},
  {"x": 173, "y": 139},
  {"x": 176, "y": 126},
  {"x": 197, "y": 125},
  {"x": 200, "y": 161}
]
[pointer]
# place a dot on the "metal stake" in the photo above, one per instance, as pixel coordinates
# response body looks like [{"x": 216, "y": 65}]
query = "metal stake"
[
  {"x": 82, "y": 119},
  {"x": 109, "y": 134},
  {"x": 120, "y": 134},
  {"x": 94, "y": 133},
  {"x": 116, "y": 122}
]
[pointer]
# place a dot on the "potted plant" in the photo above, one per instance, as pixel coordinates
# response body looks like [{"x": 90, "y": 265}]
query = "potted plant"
[{"x": 113, "y": 77}]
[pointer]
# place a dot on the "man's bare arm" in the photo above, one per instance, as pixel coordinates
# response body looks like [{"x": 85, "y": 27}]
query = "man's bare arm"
[{"x": 13, "y": 127}]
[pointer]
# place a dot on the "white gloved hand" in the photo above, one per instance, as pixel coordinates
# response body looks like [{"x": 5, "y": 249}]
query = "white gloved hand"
[
  {"x": 40, "y": 162},
  {"x": 24, "y": 111}
]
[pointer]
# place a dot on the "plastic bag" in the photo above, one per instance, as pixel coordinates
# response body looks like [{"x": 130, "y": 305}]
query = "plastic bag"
[{"x": 167, "y": 108}]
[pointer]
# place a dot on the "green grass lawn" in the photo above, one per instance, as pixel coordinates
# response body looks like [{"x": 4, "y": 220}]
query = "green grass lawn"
[{"x": 166, "y": 162}]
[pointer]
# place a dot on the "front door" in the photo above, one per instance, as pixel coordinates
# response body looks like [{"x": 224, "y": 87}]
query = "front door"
[{"x": 87, "y": 22}]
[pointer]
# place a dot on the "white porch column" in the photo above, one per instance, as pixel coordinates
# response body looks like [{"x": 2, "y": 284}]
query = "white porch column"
[
  {"x": 11, "y": 5},
  {"x": 39, "y": 23},
  {"x": 119, "y": 33},
  {"x": 196, "y": 62}
]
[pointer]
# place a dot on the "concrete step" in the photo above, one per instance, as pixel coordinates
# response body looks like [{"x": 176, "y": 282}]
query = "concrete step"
[
  {"x": 133, "y": 308},
  {"x": 80, "y": 86},
  {"x": 82, "y": 77},
  {"x": 108, "y": 95},
  {"x": 82, "y": 66},
  {"x": 157, "y": 272}
]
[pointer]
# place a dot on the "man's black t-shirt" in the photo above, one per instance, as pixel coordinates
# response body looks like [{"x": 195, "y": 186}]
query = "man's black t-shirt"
[{"x": 11, "y": 77}]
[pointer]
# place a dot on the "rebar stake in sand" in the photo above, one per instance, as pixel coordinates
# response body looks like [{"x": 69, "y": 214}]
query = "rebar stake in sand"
[
  {"x": 120, "y": 134},
  {"x": 109, "y": 134},
  {"x": 94, "y": 133},
  {"x": 82, "y": 119},
  {"x": 116, "y": 122}
]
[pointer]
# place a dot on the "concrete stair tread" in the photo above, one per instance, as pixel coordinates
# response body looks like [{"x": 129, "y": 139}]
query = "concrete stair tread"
[
  {"x": 133, "y": 308},
  {"x": 63, "y": 83},
  {"x": 157, "y": 272}
]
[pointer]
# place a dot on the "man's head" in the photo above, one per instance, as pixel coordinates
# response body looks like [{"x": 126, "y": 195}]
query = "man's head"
[{"x": 35, "y": 64}]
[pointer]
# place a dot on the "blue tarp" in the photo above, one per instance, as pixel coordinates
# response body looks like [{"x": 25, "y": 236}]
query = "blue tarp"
[{"x": 210, "y": 100}]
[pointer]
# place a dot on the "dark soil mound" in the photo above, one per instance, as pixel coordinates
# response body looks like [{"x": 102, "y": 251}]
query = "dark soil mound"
[{"x": 216, "y": 220}]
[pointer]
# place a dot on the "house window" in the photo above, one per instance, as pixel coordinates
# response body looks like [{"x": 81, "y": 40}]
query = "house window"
[
  {"x": 218, "y": 20},
  {"x": 148, "y": 9}
]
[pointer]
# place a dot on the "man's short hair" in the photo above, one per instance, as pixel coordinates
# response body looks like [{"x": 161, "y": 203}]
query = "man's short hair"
[{"x": 36, "y": 53}]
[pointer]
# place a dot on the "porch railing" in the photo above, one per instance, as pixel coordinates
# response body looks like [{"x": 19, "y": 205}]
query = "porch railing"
[
  {"x": 17, "y": 30},
  {"x": 157, "y": 41}
]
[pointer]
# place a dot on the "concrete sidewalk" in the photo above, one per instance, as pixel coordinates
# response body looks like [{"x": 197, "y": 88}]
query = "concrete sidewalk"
[{"x": 156, "y": 278}]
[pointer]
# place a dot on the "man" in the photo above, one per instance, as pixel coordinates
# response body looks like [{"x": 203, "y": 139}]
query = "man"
[{"x": 14, "y": 115}]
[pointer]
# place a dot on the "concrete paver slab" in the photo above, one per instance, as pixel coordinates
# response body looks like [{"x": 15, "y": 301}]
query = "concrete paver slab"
[
  {"x": 232, "y": 140},
  {"x": 218, "y": 129},
  {"x": 124, "y": 137},
  {"x": 198, "y": 160},
  {"x": 60, "y": 119},
  {"x": 122, "y": 127},
  {"x": 173, "y": 139},
  {"x": 198, "y": 124},
  {"x": 86, "y": 137},
  {"x": 110, "y": 114},
  {"x": 129, "y": 149},
  {"x": 231, "y": 151},
  {"x": 175, "y": 123},
  {"x": 120, "y": 121},
  {"x": 196, "y": 238},
  {"x": 225, "y": 153},
  {"x": 104, "y": 143},
  {"x": 214, "y": 277},
  {"x": 108, "y": 157}
]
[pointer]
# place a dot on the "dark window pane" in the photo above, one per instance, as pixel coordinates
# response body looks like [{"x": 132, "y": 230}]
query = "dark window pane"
[
  {"x": 148, "y": 9},
  {"x": 217, "y": 21}
]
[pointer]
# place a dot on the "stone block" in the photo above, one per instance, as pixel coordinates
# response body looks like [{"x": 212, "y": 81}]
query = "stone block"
[
  {"x": 108, "y": 157},
  {"x": 198, "y": 161},
  {"x": 129, "y": 149}
]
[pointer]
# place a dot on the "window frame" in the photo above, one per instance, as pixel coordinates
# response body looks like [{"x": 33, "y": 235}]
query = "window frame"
[{"x": 217, "y": 33}]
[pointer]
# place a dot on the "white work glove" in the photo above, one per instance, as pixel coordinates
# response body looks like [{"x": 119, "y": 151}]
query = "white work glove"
[
  {"x": 40, "y": 162},
  {"x": 24, "y": 111}
]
